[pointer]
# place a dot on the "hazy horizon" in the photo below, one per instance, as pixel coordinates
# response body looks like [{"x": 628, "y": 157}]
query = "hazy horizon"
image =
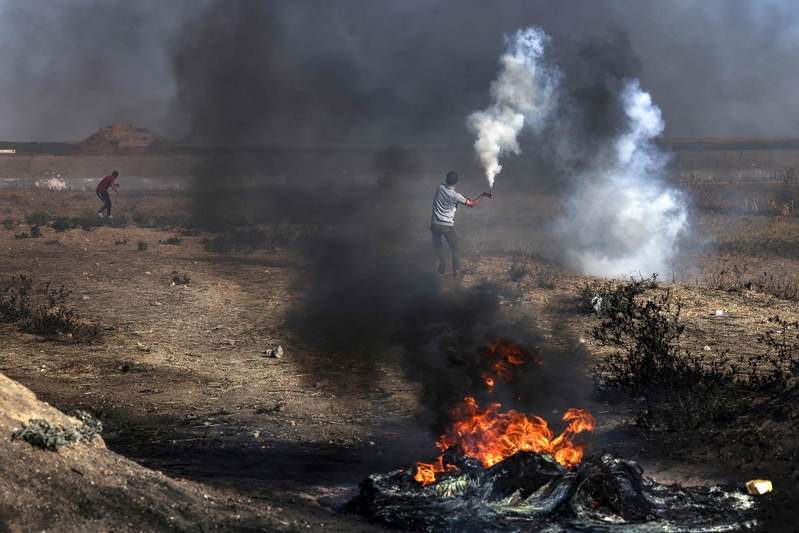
[{"x": 384, "y": 71}]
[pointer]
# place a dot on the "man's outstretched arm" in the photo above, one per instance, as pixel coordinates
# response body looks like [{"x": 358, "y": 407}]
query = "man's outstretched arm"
[{"x": 470, "y": 203}]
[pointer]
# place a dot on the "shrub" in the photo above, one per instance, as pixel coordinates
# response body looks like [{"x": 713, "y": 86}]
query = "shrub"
[
  {"x": 48, "y": 436},
  {"x": 678, "y": 388},
  {"x": 141, "y": 219},
  {"x": 15, "y": 302},
  {"x": 778, "y": 367},
  {"x": 736, "y": 278},
  {"x": 546, "y": 277},
  {"x": 179, "y": 279},
  {"x": 86, "y": 223},
  {"x": 141, "y": 246},
  {"x": 219, "y": 243},
  {"x": 41, "y": 310},
  {"x": 9, "y": 223},
  {"x": 517, "y": 272},
  {"x": 62, "y": 224},
  {"x": 171, "y": 240},
  {"x": 37, "y": 219},
  {"x": 606, "y": 297},
  {"x": 35, "y": 233},
  {"x": 158, "y": 221}
]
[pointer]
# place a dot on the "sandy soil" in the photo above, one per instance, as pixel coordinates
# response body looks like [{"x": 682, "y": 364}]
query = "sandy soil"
[{"x": 204, "y": 430}]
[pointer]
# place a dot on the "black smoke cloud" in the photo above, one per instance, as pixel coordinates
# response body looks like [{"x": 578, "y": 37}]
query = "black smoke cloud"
[
  {"x": 290, "y": 73},
  {"x": 445, "y": 337},
  {"x": 349, "y": 69},
  {"x": 591, "y": 108},
  {"x": 237, "y": 82},
  {"x": 250, "y": 75}
]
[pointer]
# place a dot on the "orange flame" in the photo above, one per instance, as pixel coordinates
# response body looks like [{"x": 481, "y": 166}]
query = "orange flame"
[
  {"x": 501, "y": 354},
  {"x": 490, "y": 436}
]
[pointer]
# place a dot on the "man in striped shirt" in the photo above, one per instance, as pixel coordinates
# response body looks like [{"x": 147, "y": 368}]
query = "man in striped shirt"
[{"x": 445, "y": 203}]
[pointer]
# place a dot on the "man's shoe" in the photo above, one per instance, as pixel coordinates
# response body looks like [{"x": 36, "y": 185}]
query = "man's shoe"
[
  {"x": 100, "y": 215},
  {"x": 110, "y": 216}
]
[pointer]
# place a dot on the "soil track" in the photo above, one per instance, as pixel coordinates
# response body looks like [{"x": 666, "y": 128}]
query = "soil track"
[{"x": 182, "y": 379}]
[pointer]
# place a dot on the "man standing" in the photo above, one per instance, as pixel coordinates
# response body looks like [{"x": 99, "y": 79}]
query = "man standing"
[
  {"x": 445, "y": 203},
  {"x": 102, "y": 191}
]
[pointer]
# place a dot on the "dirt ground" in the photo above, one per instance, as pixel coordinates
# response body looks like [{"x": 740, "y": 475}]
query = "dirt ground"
[{"x": 204, "y": 430}]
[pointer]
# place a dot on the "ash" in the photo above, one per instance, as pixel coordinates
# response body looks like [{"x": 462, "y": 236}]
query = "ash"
[{"x": 531, "y": 492}]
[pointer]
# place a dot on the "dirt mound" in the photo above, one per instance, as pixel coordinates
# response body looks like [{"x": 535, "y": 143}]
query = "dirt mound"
[
  {"x": 123, "y": 139},
  {"x": 85, "y": 487}
]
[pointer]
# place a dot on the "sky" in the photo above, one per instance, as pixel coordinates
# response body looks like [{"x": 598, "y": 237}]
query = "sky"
[{"x": 307, "y": 71}]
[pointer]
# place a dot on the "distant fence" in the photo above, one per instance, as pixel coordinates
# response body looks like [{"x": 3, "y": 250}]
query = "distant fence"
[
  {"x": 82, "y": 172},
  {"x": 760, "y": 160},
  {"x": 732, "y": 159},
  {"x": 136, "y": 172},
  {"x": 735, "y": 165}
]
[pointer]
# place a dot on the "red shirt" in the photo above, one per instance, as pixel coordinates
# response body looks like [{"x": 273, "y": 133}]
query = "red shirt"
[{"x": 106, "y": 183}]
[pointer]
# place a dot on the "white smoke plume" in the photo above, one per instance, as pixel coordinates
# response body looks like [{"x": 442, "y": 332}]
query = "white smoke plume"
[
  {"x": 621, "y": 217},
  {"x": 522, "y": 95}
]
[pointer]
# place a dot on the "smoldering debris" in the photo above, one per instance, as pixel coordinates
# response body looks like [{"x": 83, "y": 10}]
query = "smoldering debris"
[{"x": 530, "y": 491}]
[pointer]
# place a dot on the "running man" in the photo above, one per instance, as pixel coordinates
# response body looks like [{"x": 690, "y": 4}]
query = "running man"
[{"x": 102, "y": 191}]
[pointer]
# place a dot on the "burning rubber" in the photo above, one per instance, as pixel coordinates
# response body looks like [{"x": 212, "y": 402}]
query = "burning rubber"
[{"x": 532, "y": 492}]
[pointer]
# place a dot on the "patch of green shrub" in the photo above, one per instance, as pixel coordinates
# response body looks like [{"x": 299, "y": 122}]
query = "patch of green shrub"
[{"x": 50, "y": 436}]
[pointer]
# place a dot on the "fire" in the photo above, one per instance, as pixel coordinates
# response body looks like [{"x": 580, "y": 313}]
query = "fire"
[
  {"x": 500, "y": 355},
  {"x": 490, "y": 435}
]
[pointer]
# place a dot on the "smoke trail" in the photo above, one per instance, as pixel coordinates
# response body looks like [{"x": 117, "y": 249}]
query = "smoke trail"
[
  {"x": 522, "y": 95},
  {"x": 622, "y": 217},
  {"x": 597, "y": 127}
]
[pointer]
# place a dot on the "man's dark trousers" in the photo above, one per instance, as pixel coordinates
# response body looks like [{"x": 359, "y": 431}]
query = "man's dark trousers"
[{"x": 448, "y": 232}]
